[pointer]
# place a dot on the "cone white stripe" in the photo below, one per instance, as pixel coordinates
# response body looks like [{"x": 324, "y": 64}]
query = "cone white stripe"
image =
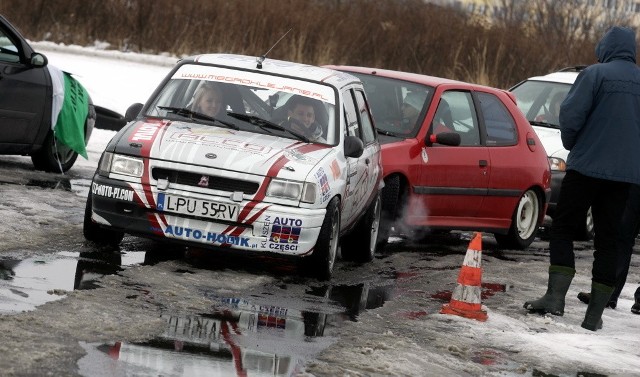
[
  {"x": 473, "y": 258},
  {"x": 467, "y": 294}
]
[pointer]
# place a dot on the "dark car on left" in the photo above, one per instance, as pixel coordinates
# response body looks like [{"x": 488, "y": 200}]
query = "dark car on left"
[{"x": 26, "y": 96}]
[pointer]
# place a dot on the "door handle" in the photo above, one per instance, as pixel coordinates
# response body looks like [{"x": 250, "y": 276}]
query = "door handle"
[{"x": 483, "y": 163}]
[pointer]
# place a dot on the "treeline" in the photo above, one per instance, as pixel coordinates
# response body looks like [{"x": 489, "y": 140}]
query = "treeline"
[{"x": 407, "y": 35}]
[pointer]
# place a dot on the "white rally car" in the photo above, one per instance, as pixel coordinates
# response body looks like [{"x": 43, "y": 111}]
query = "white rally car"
[{"x": 252, "y": 176}]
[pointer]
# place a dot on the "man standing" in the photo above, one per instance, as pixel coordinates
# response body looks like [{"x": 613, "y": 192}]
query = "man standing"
[{"x": 600, "y": 126}]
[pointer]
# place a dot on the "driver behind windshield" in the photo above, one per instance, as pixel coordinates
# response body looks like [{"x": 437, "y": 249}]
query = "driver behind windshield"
[
  {"x": 208, "y": 100},
  {"x": 301, "y": 118},
  {"x": 411, "y": 107}
]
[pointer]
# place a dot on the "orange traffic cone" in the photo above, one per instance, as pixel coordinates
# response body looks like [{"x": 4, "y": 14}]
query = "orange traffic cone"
[{"x": 465, "y": 300}]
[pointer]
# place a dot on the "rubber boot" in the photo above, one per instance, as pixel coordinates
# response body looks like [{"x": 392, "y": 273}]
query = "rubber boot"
[
  {"x": 560, "y": 278},
  {"x": 635, "y": 309},
  {"x": 586, "y": 296},
  {"x": 600, "y": 295}
]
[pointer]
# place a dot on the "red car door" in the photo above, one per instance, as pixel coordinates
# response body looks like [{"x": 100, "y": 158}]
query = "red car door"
[{"x": 453, "y": 180}]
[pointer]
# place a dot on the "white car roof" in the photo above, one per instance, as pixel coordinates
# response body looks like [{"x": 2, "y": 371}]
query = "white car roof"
[
  {"x": 281, "y": 67},
  {"x": 562, "y": 77}
]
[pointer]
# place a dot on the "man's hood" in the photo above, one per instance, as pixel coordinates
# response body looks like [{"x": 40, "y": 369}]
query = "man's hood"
[{"x": 617, "y": 43}]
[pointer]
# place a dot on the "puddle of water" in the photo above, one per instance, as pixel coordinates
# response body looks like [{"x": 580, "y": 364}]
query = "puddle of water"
[
  {"x": 27, "y": 283},
  {"x": 58, "y": 184},
  {"x": 244, "y": 339},
  {"x": 238, "y": 337},
  {"x": 79, "y": 186},
  {"x": 355, "y": 298}
]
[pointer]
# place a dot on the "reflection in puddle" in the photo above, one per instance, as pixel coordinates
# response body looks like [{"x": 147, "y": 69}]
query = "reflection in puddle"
[
  {"x": 27, "y": 283},
  {"x": 238, "y": 337}
]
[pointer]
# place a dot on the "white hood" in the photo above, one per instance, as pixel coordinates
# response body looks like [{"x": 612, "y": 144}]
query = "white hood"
[{"x": 205, "y": 145}]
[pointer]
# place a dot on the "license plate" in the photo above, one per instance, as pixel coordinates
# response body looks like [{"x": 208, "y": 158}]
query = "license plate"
[{"x": 197, "y": 207}]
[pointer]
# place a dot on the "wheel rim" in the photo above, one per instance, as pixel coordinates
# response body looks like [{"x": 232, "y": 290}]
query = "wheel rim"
[
  {"x": 527, "y": 215},
  {"x": 375, "y": 226},
  {"x": 333, "y": 241},
  {"x": 589, "y": 224},
  {"x": 61, "y": 152}
]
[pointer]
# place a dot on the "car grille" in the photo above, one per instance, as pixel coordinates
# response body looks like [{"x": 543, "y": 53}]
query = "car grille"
[{"x": 213, "y": 182}]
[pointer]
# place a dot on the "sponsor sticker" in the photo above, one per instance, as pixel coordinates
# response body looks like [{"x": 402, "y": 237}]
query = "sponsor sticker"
[
  {"x": 335, "y": 169},
  {"x": 325, "y": 190},
  {"x": 221, "y": 141},
  {"x": 112, "y": 192},
  {"x": 145, "y": 132},
  {"x": 199, "y": 235}
]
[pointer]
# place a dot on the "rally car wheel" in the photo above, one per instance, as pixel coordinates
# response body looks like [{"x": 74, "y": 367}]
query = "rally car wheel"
[
  {"x": 353, "y": 248},
  {"x": 320, "y": 263},
  {"x": 94, "y": 233},
  {"x": 390, "y": 208},
  {"x": 586, "y": 233},
  {"x": 52, "y": 152},
  {"x": 524, "y": 224}
]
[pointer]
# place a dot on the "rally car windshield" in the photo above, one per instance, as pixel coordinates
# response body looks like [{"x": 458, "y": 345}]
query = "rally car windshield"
[{"x": 250, "y": 101}]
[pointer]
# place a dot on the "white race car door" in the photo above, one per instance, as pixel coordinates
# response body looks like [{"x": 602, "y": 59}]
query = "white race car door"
[{"x": 362, "y": 172}]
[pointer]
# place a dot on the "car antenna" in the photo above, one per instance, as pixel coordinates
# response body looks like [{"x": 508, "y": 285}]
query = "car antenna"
[{"x": 261, "y": 58}]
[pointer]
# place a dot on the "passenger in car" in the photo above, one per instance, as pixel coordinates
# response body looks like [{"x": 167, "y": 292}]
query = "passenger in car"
[
  {"x": 553, "y": 115},
  {"x": 208, "y": 100},
  {"x": 442, "y": 120},
  {"x": 301, "y": 118},
  {"x": 411, "y": 108}
]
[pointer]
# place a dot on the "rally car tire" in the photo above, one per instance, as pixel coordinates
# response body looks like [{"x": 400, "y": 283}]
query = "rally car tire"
[
  {"x": 586, "y": 233},
  {"x": 52, "y": 151},
  {"x": 320, "y": 263},
  {"x": 94, "y": 233},
  {"x": 353, "y": 246},
  {"x": 524, "y": 223},
  {"x": 390, "y": 204}
]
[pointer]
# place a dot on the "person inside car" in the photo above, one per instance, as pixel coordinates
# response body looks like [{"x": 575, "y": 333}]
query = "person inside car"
[
  {"x": 411, "y": 107},
  {"x": 301, "y": 118},
  {"x": 442, "y": 120},
  {"x": 208, "y": 100},
  {"x": 552, "y": 116}
]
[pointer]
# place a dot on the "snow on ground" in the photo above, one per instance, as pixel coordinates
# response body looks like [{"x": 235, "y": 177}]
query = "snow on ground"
[{"x": 419, "y": 340}]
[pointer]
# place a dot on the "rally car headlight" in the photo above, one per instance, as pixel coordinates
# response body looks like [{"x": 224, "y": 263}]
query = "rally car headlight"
[
  {"x": 280, "y": 188},
  {"x": 126, "y": 165},
  {"x": 105, "y": 164},
  {"x": 557, "y": 164}
]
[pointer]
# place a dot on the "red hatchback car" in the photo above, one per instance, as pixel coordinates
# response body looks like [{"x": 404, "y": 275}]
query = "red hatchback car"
[{"x": 456, "y": 156}]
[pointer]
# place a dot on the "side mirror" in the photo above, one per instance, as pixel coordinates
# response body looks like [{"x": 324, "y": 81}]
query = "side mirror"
[
  {"x": 132, "y": 112},
  {"x": 353, "y": 147},
  {"x": 38, "y": 60},
  {"x": 444, "y": 138},
  {"x": 108, "y": 119}
]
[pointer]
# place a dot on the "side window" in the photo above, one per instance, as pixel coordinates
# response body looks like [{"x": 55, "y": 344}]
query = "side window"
[
  {"x": 501, "y": 128},
  {"x": 8, "y": 49},
  {"x": 456, "y": 113},
  {"x": 368, "y": 132},
  {"x": 351, "y": 115}
]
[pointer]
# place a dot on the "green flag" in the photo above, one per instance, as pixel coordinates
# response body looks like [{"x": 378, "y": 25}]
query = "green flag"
[{"x": 69, "y": 128}]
